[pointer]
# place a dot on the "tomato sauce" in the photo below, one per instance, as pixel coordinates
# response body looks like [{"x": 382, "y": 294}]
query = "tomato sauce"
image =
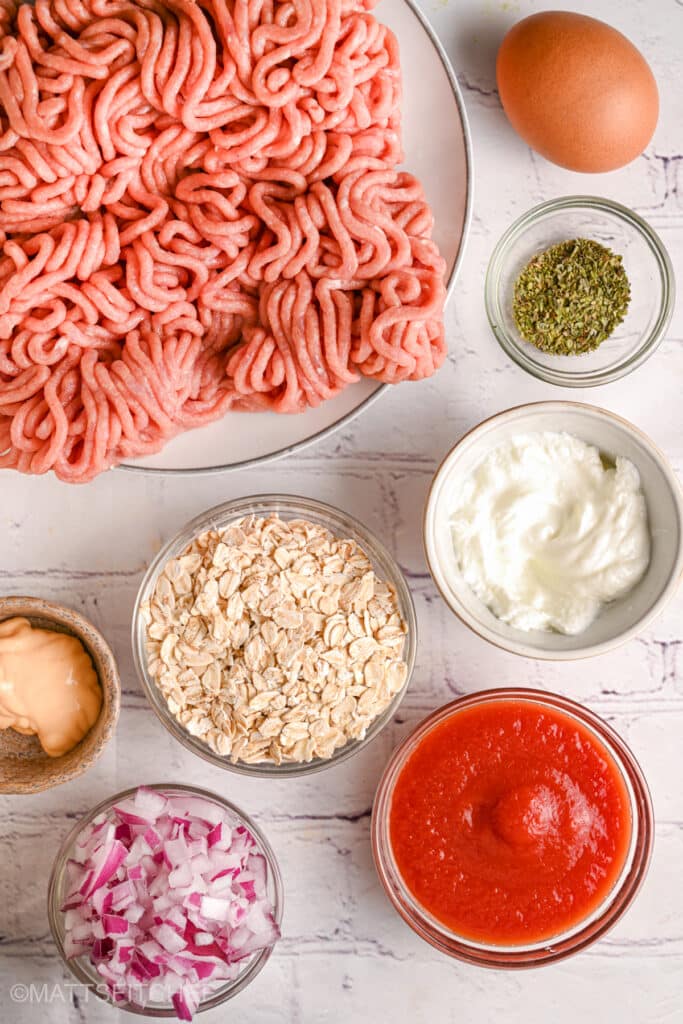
[{"x": 510, "y": 822}]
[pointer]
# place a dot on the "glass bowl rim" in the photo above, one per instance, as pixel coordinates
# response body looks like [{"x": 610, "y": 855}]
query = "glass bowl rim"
[
  {"x": 229, "y": 988},
  {"x": 515, "y": 349},
  {"x": 571, "y": 941},
  {"x": 334, "y": 518}
]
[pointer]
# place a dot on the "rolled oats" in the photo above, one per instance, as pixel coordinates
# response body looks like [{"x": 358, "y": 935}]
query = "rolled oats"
[{"x": 274, "y": 641}]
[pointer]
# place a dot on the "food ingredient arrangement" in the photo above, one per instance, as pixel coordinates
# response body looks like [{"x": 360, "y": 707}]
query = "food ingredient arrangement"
[
  {"x": 505, "y": 823},
  {"x": 543, "y": 822},
  {"x": 48, "y": 686},
  {"x": 577, "y": 91},
  {"x": 545, "y": 534},
  {"x": 274, "y": 641},
  {"x": 570, "y": 298},
  {"x": 166, "y": 893},
  {"x": 201, "y": 212}
]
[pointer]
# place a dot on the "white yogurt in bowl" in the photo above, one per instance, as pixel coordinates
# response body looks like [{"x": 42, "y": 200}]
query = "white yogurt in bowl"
[
  {"x": 545, "y": 532},
  {"x": 626, "y": 596}
]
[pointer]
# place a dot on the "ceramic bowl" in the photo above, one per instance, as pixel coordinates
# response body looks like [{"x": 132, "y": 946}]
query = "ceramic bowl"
[
  {"x": 24, "y": 765},
  {"x": 647, "y": 266},
  {"x": 620, "y": 620}
]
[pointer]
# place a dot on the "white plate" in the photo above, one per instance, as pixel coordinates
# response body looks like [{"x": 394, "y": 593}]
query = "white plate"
[{"x": 437, "y": 146}]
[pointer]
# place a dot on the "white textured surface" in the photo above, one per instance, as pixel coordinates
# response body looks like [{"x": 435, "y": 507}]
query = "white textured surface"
[{"x": 345, "y": 957}]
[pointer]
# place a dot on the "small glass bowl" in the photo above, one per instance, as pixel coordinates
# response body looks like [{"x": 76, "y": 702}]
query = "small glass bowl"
[
  {"x": 560, "y": 946},
  {"x": 647, "y": 265},
  {"x": 287, "y": 507},
  {"x": 84, "y": 971}
]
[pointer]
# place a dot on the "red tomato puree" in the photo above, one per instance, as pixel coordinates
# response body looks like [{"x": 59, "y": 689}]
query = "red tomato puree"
[{"x": 510, "y": 822}]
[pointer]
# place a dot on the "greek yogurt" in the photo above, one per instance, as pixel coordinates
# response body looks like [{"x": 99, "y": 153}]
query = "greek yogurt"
[{"x": 546, "y": 532}]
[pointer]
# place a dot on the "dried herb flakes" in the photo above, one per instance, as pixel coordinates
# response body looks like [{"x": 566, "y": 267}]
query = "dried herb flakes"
[{"x": 570, "y": 298}]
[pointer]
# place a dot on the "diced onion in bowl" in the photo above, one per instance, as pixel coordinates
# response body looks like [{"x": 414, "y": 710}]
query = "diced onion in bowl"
[{"x": 167, "y": 895}]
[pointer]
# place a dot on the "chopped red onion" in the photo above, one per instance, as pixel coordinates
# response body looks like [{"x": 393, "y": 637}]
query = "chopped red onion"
[{"x": 167, "y": 897}]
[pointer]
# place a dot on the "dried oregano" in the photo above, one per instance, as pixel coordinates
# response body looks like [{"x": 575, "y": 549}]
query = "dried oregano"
[{"x": 570, "y": 298}]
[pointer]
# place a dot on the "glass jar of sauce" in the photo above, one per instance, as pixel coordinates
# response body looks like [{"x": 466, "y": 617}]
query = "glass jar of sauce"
[{"x": 512, "y": 828}]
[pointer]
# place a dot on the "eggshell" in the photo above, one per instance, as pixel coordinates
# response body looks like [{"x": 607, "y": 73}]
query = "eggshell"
[{"x": 577, "y": 91}]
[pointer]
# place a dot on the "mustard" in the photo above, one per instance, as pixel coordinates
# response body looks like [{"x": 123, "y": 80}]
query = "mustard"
[{"x": 48, "y": 686}]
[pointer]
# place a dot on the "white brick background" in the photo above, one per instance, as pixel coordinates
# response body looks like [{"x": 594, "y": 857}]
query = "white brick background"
[{"x": 345, "y": 957}]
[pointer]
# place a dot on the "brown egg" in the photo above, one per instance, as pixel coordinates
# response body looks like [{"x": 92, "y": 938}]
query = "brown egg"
[{"x": 577, "y": 91}]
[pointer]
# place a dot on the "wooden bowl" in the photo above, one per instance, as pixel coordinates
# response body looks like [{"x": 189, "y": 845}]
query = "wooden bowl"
[{"x": 24, "y": 765}]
